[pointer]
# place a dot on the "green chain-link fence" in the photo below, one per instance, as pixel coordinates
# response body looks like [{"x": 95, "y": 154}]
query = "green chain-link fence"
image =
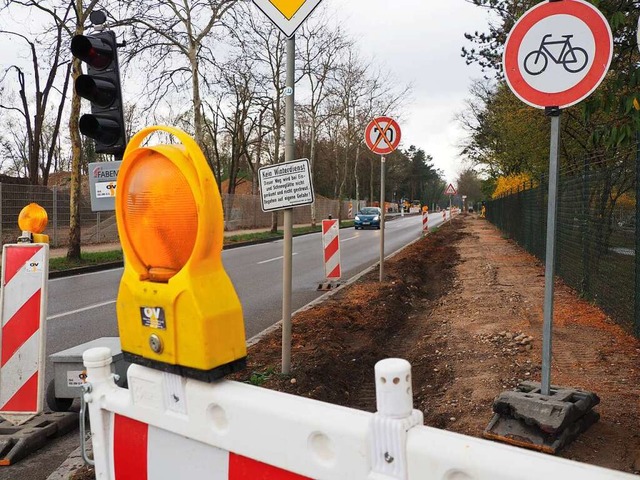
[{"x": 596, "y": 230}]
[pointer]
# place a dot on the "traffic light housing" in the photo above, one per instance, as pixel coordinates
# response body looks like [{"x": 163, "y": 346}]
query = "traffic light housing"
[
  {"x": 101, "y": 86},
  {"x": 177, "y": 308}
]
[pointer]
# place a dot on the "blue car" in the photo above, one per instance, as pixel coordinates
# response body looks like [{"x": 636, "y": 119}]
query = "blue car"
[{"x": 367, "y": 217}]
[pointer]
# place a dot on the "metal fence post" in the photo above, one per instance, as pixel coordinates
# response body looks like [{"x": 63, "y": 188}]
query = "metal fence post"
[
  {"x": 55, "y": 216},
  {"x": 636, "y": 309},
  {"x": 1, "y": 216},
  {"x": 543, "y": 219},
  {"x": 98, "y": 227},
  {"x": 586, "y": 240}
]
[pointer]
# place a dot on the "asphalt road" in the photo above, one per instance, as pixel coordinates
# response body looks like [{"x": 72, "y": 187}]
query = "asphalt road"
[{"x": 82, "y": 308}]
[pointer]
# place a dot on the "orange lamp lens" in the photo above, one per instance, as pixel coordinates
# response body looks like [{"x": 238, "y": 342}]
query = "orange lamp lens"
[
  {"x": 160, "y": 215},
  {"x": 33, "y": 218}
]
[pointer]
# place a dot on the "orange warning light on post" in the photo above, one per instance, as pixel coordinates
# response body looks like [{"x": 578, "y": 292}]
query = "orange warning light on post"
[{"x": 32, "y": 220}]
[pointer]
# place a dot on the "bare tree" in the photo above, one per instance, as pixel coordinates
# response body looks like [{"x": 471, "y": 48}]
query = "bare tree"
[
  {"x": 35, "y": 95},
  {"x": 359, "y": 93},
  {"x": 264, "y": 45},
  {"x": 320, "y": 50},
  {"x": 173, "y": 40}
]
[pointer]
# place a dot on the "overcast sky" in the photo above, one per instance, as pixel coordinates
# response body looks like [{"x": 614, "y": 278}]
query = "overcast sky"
[{"x": 420, "y": 41}]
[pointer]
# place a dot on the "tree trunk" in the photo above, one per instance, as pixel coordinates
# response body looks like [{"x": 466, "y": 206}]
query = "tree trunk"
[
  {"x": 73, "y": 252},
  {"x": 371, "y": 195},
  {"x": 276, "y": 154},
  {"x": 355, "y": 172},
  {"x": 312, "y": 154},
  {"x": 197, "y": 101}
]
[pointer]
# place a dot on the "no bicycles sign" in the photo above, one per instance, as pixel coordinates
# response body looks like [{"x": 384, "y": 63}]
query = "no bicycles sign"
[{"x": 557, "y": 53}]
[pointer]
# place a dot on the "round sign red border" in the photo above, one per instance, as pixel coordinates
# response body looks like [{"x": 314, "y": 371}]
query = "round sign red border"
[
  {"x": 598, "y": 25},
  {"x": 372, "y": 124}
]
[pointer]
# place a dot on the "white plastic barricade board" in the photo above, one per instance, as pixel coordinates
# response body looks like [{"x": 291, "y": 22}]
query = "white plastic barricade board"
[
  {"x": 23, "y": 310},
  {"x": 166, "y": 427},
  {"x": 331, "y": 249},
  {"x": 144, "y": 451}
]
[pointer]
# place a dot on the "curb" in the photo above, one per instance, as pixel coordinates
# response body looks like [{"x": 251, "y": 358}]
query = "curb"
[{"x": 69, "y": 466}]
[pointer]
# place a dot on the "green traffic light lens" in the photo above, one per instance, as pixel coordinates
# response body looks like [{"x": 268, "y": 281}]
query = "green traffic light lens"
[{"x": 101, "y": 129}]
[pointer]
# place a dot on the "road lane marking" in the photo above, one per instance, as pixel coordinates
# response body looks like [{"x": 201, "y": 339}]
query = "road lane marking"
[
  {"x": 83, "y": 309},
  {"x": 274, "y": 259},
  {"x": 85, "y": 274},
  {"x": 349, "y": 239}
]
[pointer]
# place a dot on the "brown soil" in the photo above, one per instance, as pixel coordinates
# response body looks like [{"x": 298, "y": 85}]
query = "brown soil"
[{"x": 453, "y": 304}]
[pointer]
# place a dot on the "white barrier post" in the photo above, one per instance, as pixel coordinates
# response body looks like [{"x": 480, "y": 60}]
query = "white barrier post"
[
  {"x": 100, "y": 383},
  {"x": 392, "y": 421}
]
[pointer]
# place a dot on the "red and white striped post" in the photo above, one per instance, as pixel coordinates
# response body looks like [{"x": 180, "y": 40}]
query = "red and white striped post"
[
  {"x": 350, "y": 214},
  {"x": 331, "y": 249},
  {"x": 425, "y": 222},
  {"x": 23, "y": 309}
]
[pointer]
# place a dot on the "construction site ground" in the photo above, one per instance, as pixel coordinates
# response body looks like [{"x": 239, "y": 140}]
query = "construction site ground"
[{"x": 465, "y": 306}]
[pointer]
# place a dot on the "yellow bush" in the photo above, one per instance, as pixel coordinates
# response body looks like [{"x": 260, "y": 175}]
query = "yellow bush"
[{"x": 511, "y": 183}]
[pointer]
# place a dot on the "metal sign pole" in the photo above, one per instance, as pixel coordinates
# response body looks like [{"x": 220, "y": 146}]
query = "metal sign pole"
[
  {"x": 382, "y": 161},
  {"x": 287, "y": 263},
  {"x": 552, "y": 208}
]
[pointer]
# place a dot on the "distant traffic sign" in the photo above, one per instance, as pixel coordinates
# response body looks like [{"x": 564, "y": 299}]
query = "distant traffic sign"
[
  {"x": 382, "y": 135},
  {"x": 450, "y": 190},
  {"x": 558, "y": 53},
  {"x": 287, "y": 15}
]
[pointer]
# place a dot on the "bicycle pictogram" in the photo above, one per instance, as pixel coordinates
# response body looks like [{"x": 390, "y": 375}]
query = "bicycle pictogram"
[{"x": 573, "y": 59}]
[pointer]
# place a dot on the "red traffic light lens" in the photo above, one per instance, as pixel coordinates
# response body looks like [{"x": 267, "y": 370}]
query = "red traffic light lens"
[{"x": 94, "y": 51}]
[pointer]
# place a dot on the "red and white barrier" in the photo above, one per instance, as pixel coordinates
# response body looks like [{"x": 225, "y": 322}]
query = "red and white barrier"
[
  {"x": 23, "y": 311},
  {"x": 144, "y": 451},
  {"x": 166, "y": 427},
  {"x": 425, "y": 222},
  {"x": 350, "y": 213},
  {"x": 331, "y": 249}
]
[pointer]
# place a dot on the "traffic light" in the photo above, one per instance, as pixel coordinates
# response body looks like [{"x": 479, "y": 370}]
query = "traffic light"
[
  {"x": 101, "y": 86},
  {"x": 177, "y": 308}
]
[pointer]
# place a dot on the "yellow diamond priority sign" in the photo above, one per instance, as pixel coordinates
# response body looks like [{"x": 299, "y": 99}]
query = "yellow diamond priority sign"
[
  {"x": 287, "y": 15},
  {"x": 288, "y": 7}
]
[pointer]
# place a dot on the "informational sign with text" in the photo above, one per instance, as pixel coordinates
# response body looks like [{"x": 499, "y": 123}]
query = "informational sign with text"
[
  {"x": 102, "y": 185},
  {"x": 286, "y": 185}
]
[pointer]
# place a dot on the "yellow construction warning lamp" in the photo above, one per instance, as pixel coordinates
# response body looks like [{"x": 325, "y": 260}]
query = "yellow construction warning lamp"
[
  {"x": 32, "y": 220},
  {"x": 177, "y": 308}
]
